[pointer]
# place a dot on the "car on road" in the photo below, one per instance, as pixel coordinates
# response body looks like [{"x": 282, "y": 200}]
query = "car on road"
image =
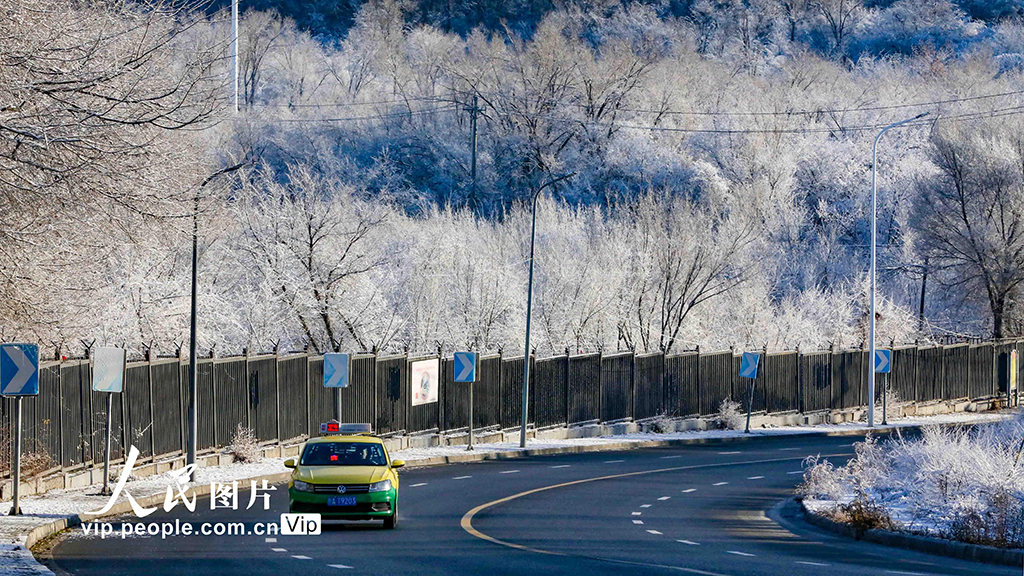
[{"x": 345, "y": 474}]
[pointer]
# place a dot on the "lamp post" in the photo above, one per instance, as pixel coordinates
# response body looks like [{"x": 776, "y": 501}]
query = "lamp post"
[
  {"x": 529, "y": 306},
  {"x": 192, "y": 360},
  {"x": 874, "y": 234}
]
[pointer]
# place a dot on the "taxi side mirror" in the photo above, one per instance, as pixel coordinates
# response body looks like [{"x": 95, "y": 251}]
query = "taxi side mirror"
[
  {"x": 289, "y": 463},
  {"x": 397, "y": 463}
]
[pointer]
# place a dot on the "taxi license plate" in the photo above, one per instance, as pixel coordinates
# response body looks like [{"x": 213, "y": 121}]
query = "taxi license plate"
[{"x": 341, "y": 501}]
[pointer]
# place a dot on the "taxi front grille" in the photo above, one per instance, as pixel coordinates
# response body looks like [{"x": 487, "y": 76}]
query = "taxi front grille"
[{"x": 333, "y": 488}]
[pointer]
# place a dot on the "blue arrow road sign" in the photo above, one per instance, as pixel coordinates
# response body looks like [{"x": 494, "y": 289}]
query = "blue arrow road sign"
[
  {"x": 883, "y": 361},
  {"x": 336, "y": 370},
  {"x": 108, "y": 370},
  {"x": 19, "y": 369},
  {"x": 465, "y": 366},
  {"x": 748, "y": 366}
]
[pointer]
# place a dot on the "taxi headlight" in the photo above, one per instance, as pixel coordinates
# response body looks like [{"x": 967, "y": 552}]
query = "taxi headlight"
[
  {"x": 302, "y": 486},
  {"x": 382, "y": 486}
]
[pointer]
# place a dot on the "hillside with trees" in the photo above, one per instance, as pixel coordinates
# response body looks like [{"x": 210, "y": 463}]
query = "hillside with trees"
[{"x": 716, "y": 155}]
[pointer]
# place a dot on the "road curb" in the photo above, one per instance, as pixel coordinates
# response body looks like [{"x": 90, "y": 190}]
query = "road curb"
[{"x": 927, "y": 544}]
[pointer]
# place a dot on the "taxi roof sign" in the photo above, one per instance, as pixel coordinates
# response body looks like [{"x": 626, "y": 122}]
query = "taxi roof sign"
[{"x": 334, "y": 427}]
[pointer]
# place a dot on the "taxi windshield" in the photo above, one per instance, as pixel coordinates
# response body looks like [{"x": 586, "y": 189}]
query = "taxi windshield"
[{"x": 343, "y": 454}]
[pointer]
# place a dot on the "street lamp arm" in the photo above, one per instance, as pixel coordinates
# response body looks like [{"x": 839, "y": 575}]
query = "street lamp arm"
[{"x": 550, "y": 183}]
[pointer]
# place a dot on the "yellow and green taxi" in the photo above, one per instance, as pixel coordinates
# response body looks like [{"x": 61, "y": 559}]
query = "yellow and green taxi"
[{"x": 345, "y": 474}]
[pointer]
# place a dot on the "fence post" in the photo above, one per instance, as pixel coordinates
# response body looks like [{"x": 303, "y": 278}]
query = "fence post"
[
  {"x": 376, "y": 402},
  {"x": 441, "y": 377},
  {"x": 632, "y": 384},
  {"x": 181, "y": 404},
  {"x": 696, "y": 371},
  {"x": 248, "y": 392},
  {"x": 307, "y": 386},
  {"x": 800, "y": 381},
  {"x": 152, "y": 419},
  {"x": 600, "y": 388},
  {"x": 277, "y": 396},
  {"x": 213, "y": 394},
  {"x": 568, "y": 403},
  {"x": 942, "y": 372},
  {"x": 831, "y": 377},
  {"x": 60, "y": 412}
]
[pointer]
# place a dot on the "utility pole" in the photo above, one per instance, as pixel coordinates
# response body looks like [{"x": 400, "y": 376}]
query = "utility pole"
[
  {"x": 473, "y": 111},
  {"x": 874, "y": 248},
  {"x": 529, "y": 307},
  {"x": 234, "y": 49}
]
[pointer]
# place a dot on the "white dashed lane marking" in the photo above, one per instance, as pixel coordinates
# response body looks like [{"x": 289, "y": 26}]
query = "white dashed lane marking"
[
  {"x": 719, "y": 483},
  {"x": 787, "y": 449},
  {"x": 269, "y": 540},
  {"x": 811, "y": 563},
  {"x": 339, "y": 566},
  {"x": 727, "y": 453},
  {"x": 755, "y": 477},
  {"x": 664, "y": 498},
  {"x": 671, "y": 457},
  {"x": 461, "y": 477},
  {"x": 613, "y": 461},
  {"x": 636, "y": 513},
  {"x": 509, "y": 472},
  {"x": 645, "y": 505},
  {"x": 279, "y": 549},
  {"x": 638, "y": 521},
  {"x": 738, "y": 553},
  {"x": 901, "y": 572},
  {"x": 688, "y": 542},
  {"x": 300, "y": 557},
  {"x": 420, "y": 484},
  {"x": 688, "y": 490},
  {"x": 796, "y": 472},
  {"x": 655, "y": 532},
  {"x": 562, "y": 466}
]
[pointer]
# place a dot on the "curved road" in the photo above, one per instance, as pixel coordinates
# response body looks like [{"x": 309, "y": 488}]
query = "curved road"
[{"x": 700, "y": 509}]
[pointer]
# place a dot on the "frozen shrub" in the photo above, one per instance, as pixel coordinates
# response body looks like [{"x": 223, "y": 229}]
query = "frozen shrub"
[
  {"x": 245, "y": 446},
  {"x": 730, "y": 416},
  {"x": 661, "y": 425},
  {"x": 822, "y": 480}
]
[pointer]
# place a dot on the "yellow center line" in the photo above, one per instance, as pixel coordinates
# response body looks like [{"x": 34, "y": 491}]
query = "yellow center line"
[{"x": 467, "y": 518}]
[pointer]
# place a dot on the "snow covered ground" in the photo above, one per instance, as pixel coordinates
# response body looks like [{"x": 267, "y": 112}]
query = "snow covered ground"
[{"x": 951, "y": 483}]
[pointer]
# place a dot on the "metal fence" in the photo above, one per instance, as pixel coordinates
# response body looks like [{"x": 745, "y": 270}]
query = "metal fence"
[{"x": 281, "y": 397}]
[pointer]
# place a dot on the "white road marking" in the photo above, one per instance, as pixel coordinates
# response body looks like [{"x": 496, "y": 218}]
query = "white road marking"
[
  {"x": 727, "y": 453},
  {"x": 796, "y": 472},
  {"x": 738, "y": 553},
  {"x": 300, "y": 557},
  {"x": 279, "y": 549},
  {"x": 688, "y": 542},
  {"x": 811, "y": 563},
  {"x": 671, "y": 457},
  {"x": 613, "y": 461},
  {"x": 339, "y": 566},
  {"x": 638, "y": 521},
  {"x": 461, "y": 477},
  {"x": 269, "y": 540},
  {"x": 508, "y": 472},
  {"x": 901, "y": 572},
  {"x": 755, "y": 477},
  {"x": 787, "y": 449},
  {"x": 562, "y": 466},
  {"x": 420, "y": 484},
  {"x": 688, "y": 490},
  {"x": 719, "y": 483},
  {"x": 645, "y": 505},
  {"x": 664, "y": 498},
  {"x": 654, "y": 532},
  {"x": 636, "y": 513}
]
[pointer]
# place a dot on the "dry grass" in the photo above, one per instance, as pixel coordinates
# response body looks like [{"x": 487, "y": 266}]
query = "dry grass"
[{"x": 244, "y": 445}]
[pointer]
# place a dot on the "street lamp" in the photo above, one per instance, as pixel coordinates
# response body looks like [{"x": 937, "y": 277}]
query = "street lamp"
[
  {"x": 192, "y": 364},
  {"x": 874, "y": 234},
  {"x": 529, "y": 305}
]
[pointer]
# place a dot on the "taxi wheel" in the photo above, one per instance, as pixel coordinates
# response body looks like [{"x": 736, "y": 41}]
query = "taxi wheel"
[{"x": 392, "y": 520}]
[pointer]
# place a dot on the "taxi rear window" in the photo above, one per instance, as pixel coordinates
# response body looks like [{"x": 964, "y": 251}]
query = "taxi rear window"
[{"x": 343, "y": 454}]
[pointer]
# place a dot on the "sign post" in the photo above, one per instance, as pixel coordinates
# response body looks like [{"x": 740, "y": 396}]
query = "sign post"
[
  {"x": 19, "y": 376},
  {"x": 883, "y": 365},
  {"x": 108, "y": 376},
  {"x": 748, "y": 369},
  {"x": 1011, "y": 386},
  {"x": 336, "y": 375},
  {"x": 465, "y": 371}
]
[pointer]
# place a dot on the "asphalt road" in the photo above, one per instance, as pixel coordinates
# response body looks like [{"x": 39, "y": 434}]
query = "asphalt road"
[{"x": 708, "y": 509}]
